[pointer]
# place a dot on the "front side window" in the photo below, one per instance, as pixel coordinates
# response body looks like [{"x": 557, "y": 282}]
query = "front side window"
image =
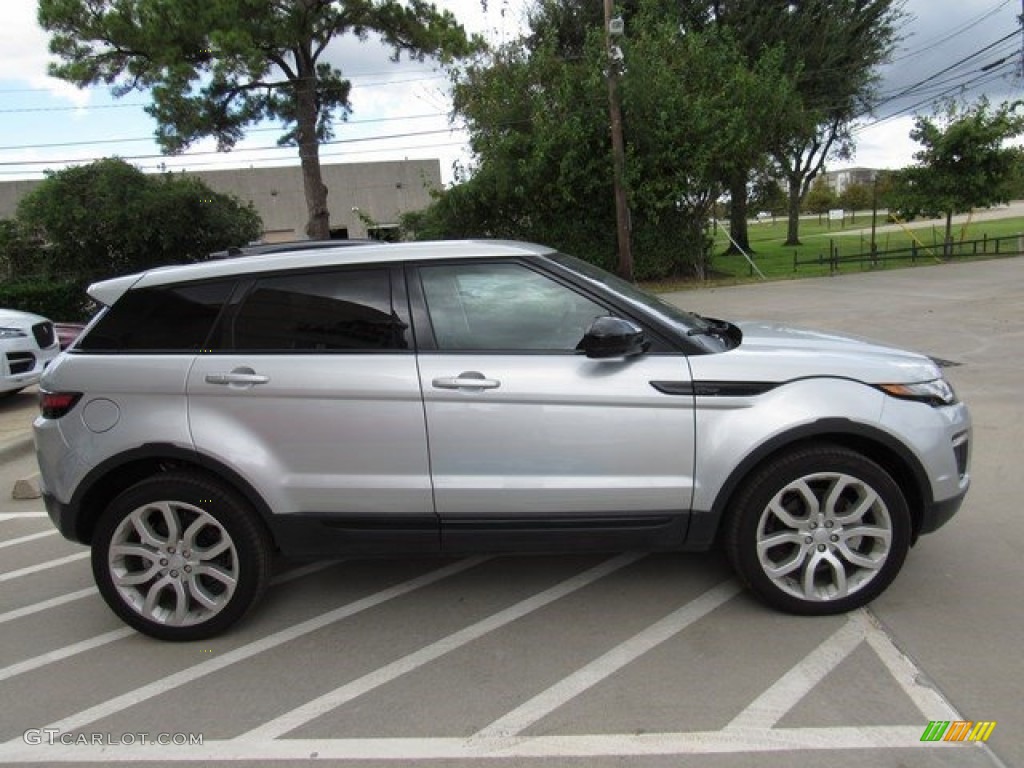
[
  {"x": 160, "y": 319},
  {"x": 345, "y": 310},
  {"x": 503, "y": 307}
]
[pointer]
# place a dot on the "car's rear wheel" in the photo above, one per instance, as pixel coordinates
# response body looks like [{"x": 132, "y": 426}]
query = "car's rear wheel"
[
  {"x": 180, "y": 557},
  {"x": 819, "y": 530}
]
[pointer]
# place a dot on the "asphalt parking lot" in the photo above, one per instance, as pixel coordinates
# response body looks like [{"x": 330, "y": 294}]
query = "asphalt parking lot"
[{"x": 622, "y": 659}]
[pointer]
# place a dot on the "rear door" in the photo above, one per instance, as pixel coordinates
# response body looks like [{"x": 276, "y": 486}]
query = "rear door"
[
  {"x": 532, "y": 444},
  {"x": 311, "y": 392}
]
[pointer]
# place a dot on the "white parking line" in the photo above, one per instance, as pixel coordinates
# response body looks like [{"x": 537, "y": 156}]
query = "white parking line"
[
  {"x": 63, "y": 653},
  {"x": 768, "y": 708},
  {"x": 598, "y": 745},
  {"x": 53, "y": 602},
  {"x": 911, "y": 679},
  {"x": 89, "y": 644},
  {"x": 289, "y": 721},
  {"x": 304, "y": 570},
  {"x": 27, "y": 538},
  {"x": 29, "y": 570},
  {"x": 19, "y": 515},
  {"x": 525, "y": 715},
  {"x": 201, "y": 670}
]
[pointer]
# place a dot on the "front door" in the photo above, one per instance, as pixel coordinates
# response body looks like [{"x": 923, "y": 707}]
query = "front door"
[{"x": 532, "y": 444}]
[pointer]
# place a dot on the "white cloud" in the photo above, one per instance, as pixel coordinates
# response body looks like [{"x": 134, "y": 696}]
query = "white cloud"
[{"x": 25, "y": 53}]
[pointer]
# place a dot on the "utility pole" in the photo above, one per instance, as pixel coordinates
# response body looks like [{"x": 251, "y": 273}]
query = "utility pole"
[{"x": 625, "y": 267}]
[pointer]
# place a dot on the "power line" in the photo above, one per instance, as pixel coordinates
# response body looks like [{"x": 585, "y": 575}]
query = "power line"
[
  {"x": 910, "y": 88},
  {"x": 131, "y": 104},
  {"x": 93, "y": 142},
  {"x": 203, "y": 153},
  {"x": 967, "y": 26}
]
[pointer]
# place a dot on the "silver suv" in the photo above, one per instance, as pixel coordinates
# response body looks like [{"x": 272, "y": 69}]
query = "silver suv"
[{"x": 475, "y": 396}]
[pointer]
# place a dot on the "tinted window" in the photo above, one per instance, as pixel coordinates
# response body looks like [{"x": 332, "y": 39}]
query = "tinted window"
[
  {"x": 343, "y": 310},
  {"x": 175, "y": 318},
  {"x": 504, "y": 307}
]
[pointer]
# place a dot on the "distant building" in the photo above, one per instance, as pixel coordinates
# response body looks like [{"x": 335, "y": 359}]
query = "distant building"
[
  {"x": 838, "y": 181},
  {"x": 364, "y": 199}
]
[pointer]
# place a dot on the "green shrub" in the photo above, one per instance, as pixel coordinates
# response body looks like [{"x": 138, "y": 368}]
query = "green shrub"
[{"x": 59, "y": 301}]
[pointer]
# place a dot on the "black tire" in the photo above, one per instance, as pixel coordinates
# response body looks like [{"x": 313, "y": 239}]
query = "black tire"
[
  {"x": 832, "y": 523},
  {"x": 199, "y": 579}
]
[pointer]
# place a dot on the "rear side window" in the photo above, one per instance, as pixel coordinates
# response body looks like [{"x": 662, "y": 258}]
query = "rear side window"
[
  {"x": 344, "y": 310},
  {"x": 162, "y": 319}
]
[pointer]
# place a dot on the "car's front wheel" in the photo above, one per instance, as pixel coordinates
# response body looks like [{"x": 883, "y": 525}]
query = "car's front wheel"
[
  {"x": 819, "y": 530},
  {"x": 180, "y": 557}
]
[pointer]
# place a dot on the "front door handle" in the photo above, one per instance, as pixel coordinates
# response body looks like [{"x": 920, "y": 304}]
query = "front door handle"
[
  {"x": 245, "y": 377},
  {"x": 472, "y": 380}
]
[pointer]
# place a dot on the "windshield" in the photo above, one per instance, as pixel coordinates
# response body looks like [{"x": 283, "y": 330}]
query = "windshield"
[{"x": 687, "y": 321}]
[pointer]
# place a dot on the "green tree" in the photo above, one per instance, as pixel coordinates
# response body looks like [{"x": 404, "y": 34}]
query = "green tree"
[
  {"x": 856, "y": 197},
  {"x": 766, "y": 194},
  {"x": 109, "y": 218},
  {"x": 537, "y": 114},
  {"x": 820, "y": 198},
  {"x": 18, "y": 254},
  {"x": 966, "y": 161},
  {"x": 830, "y": 50},
  {"x": 835, "y": 47},
  {"x": 699, "y": 114},
  {"x": 215, "y": 67}
]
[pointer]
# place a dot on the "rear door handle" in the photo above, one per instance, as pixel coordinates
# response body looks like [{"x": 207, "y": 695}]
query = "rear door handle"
[{"x": 466, "y": 380}]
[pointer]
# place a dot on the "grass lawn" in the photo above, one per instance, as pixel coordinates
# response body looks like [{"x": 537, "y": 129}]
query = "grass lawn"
[{"x": 775, "y": 260}]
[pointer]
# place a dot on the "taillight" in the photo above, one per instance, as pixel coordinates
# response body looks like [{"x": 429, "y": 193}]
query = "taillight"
[{"x": 53, "y": 405}]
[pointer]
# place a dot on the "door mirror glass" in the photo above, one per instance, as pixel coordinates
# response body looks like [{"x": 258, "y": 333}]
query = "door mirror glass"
[{"x": 613, "y": 337}]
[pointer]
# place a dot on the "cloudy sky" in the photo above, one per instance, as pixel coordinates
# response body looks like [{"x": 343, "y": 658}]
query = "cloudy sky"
[{"x": 950, "y": 48}]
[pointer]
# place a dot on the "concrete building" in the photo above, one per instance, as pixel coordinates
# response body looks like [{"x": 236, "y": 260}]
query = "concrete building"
[
  {"x": 365, "y": 199},
  {"x": 838, "y": 181}
]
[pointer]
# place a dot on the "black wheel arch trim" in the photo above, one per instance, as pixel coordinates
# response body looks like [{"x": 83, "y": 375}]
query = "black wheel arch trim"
[
  {"x": 78, "y": 522},
  {"x": 838, "y": 430}
]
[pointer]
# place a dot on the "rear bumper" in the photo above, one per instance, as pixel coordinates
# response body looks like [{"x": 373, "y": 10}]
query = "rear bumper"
[{"x": 64, "y": 517}]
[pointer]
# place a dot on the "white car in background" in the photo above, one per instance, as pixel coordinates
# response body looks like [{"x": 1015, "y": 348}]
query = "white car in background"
[{"x": 27, "y": 344}]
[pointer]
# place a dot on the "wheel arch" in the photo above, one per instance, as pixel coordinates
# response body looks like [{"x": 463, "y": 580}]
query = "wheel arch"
[
  {"x": 118, "y": 473},
  {"x": 882, "y": 448}
]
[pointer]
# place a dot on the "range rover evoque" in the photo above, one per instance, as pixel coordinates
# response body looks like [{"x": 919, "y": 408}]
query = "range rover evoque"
[{"x": 452, "y": 397}]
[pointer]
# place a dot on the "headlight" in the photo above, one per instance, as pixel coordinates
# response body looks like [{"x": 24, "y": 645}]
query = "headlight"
[
  {"x": 12, "y": 333},
  {"x": 937, "y": 392}
]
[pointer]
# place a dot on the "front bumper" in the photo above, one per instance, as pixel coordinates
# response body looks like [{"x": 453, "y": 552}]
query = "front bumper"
[{"x": 938, "y": 513}]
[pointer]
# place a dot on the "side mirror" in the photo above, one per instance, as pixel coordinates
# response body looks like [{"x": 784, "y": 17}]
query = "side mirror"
[{"x": 613, "y": 337}]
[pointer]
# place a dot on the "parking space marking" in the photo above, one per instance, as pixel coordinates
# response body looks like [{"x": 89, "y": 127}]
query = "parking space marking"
[
  {"x": 20, "y": 515},
  {"x": 525, "y": 715},
  {"x": 752, "y": 731},
  {"x": 27, "y": 538},
  {"x": 304, "y": 570},
  {"x": 909, "y": 676},
  {"x": 198, "y": 671},
  {"x": 345, "y": 693},
  {"x": 45, "y": 605},
  {"x": 772, "y": 705},
  {"x": 59, "y": 654},
  {"x": 54, "y": 602},
  {"x": 550, "y": 747},
  {"x": 97, "y": 641},
  {"x": 29, "y": 570}
]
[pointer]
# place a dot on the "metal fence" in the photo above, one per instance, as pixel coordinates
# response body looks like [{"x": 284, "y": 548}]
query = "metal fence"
[{"x": 1008, "y": 245}]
